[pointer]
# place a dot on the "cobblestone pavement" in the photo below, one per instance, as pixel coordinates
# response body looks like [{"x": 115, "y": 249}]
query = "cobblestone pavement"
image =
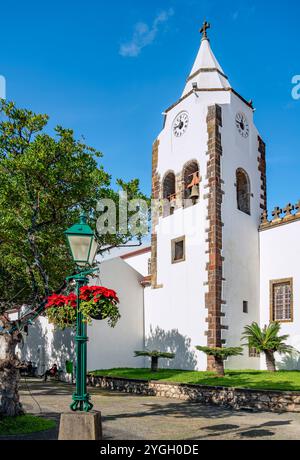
[{"x": 128, "y": 417}]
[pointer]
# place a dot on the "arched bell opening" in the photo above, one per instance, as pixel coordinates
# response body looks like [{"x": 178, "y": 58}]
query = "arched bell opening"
[
  {"x": 243, "y": 188},
  {"x": 191, "y": 184},
  {"x": 169, "y": 194}
]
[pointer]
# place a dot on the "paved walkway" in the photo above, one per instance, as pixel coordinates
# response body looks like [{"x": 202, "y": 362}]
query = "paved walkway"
[{"x": 127, "y": 417}]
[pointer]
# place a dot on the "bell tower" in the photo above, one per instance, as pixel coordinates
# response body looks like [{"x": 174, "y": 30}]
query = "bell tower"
[{"x": 209, "y": 186}]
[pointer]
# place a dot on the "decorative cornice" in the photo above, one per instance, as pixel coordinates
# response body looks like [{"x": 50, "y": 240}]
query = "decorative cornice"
[
  {"x": 280, "y": 217},
  {"x": 206, "y": 70},
  {"x": 204, "y": 90}
]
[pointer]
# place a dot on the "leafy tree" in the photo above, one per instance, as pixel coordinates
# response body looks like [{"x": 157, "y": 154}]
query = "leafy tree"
[
  {"x": 267, "y": 341},
  {"x": 155, "y": 356},
  {"x": 220, "y": 355},
  {"x": 45, "y": 182}
]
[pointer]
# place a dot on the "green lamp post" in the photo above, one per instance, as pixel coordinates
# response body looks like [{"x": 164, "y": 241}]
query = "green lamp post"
[{"x": 83, "y": 247}]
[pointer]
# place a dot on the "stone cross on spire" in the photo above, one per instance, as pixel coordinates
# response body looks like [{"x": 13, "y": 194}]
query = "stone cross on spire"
[
  {"x": 276, "y": 214},
  {"x": 288, "y": 210},
  {"x": 203, "y": 31}
]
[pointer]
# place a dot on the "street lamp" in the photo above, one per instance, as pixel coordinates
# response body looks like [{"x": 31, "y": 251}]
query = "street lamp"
[
  {"x": 83, "y": 248},
  {"x": 82, "y": 243}
]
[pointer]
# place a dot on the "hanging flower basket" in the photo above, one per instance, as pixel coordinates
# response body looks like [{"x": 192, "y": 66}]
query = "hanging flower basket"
[
  {"x": 99, "y": 303},
  {"x": 96, "y": 302}
]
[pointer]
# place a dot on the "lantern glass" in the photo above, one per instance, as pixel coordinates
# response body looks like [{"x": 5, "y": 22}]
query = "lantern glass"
[
  {"x": 82, "y": 243},
  {"x": 80, "y": 248},
  {"x": 93, "y": 251}
]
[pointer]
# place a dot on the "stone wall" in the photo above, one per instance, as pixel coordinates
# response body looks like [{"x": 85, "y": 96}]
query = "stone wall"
[
  {"x": 238, "y": 399},
  {"x": 213, "y": 298},
  {"x": 156, "y": 195}
]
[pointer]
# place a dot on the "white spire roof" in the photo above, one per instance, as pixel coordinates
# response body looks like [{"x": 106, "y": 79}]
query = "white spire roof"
[{"x": 206, "y": 72}]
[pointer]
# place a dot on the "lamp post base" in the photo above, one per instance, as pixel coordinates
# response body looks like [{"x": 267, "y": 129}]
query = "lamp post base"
[
  {"x": 80, "y": 426},
  {"x": 81, "y": 403}
]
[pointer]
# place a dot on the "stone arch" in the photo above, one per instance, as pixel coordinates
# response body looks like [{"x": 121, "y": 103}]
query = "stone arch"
[
  {"x": 190, "y": 173},
  {"x": 169, "y": 193},
  {"x": 243, "y": 191},
  {"x": 169, "y": 185}
]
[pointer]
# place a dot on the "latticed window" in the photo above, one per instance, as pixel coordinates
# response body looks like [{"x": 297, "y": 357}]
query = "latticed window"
[{"x": 282, "y": 300}]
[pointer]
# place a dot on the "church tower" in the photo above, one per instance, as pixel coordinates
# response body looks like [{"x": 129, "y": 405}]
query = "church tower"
[{"x": 209, "y": 186}]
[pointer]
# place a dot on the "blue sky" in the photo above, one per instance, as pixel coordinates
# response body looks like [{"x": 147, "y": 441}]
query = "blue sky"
[{"x": 109, "y": 69}]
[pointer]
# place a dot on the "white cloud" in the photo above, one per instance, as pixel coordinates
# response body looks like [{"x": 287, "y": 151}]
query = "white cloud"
[
  {"x": 144, "y": 35},
  {"x": 244, "y": 11}
]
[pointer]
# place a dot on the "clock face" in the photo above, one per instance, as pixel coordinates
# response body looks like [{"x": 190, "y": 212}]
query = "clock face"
[
  {"x": 242, "y": 124},
  {"x": 180, "y": 124}
]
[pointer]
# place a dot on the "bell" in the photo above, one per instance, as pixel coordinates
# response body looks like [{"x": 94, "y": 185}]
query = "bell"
[
  {"x": 195, "y": 193},
  {"x": 173, "y": 203}
]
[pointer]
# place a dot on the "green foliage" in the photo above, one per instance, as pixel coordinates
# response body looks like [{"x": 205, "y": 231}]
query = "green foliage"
[
  {"x": 62, "y": 317},
  {"x": 45, "y": 181},
  {"x": 221, "y": 353},
  {"x": 108, "y": 310},
  {"x": 256, "y": 380},
  {"x": 154, "y": 354},
  {"x": 267, "y": 339},
  {"x": 24, "y": 424}
]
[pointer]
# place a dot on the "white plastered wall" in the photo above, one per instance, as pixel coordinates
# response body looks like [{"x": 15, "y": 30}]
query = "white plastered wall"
[
  {"x": 140, "y": 262},
  {"x": 279, "y": 255},
  {"x": 46, "y": 345},
  {"x": 107, "y": 347},
  {"x": 240, "y": 232}
]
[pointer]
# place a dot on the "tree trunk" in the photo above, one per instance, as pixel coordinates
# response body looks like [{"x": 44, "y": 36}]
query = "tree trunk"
[
  {"x": 270, "y": 360},
  {"x": 154, "y": 364},
  {"x": 219, "y": 366},
  {"x": 9, "y": 374},
  {"x": 215, "y": 364}
]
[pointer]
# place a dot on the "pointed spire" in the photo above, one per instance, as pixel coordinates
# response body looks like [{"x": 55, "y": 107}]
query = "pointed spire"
[{"x": 206, "y": 72}]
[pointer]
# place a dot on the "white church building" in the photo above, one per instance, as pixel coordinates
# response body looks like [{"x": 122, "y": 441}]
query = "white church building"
[{"x": 218, "y": 261}]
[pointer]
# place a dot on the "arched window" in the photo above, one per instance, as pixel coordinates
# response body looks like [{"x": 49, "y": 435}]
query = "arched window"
[
  {"x": 169, "y": 193},
  {"x": 243, "y": 189},
  {"x": 191, "y": 181}
]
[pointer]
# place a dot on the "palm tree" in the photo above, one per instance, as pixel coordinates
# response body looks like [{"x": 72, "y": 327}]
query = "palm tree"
[
  {"x": 155, "y": 356},
  {"x": 267, "y": 341},
  {"x": 220, "y": 355}
]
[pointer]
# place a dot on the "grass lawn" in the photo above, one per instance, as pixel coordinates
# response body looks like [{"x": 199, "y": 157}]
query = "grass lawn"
[
  {"x": 24, "y": 424},
  {"x": 282, "y": 380}
]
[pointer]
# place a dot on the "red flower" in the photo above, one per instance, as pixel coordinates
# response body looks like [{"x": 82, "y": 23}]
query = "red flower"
[
  {"x": 95, "y": 293},
  {"x": 87, "y": 293},
  {"x": 72, "y": 300},
  {"x": 56, "y": 301}
]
